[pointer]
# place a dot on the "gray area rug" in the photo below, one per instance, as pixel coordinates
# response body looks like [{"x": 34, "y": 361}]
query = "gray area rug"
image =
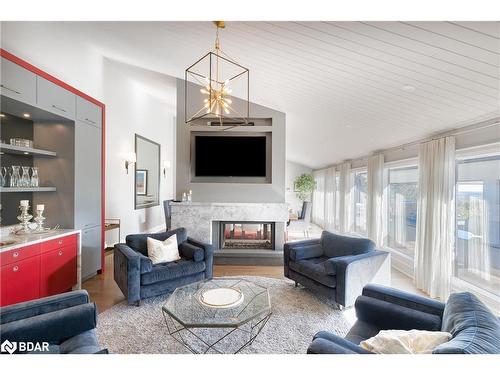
[{"x": 297, "y": 315}]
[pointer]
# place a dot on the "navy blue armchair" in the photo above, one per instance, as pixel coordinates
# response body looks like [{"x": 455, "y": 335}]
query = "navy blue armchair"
[
  {"x": 67, "y": 322},
  {"x": 474, "y": 329},
  {"x": 138, "y": 278},
  {"x": 335, "y": 266}
]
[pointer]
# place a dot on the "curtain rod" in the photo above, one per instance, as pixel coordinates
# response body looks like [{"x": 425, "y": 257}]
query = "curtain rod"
[{"x": 463, "y": 130}]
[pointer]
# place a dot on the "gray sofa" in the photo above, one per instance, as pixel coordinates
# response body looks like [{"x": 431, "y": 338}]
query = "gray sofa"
[
  {"x": 474, "y": 328},
  {"x": 67, "y": 322},
  {"x": 138, "y": 278},
  {"x": 335, "y": 266}
]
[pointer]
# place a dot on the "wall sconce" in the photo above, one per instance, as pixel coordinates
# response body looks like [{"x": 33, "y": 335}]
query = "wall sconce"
[
  {"x": 130, "y": 158},
  {"x": 165, "y": 166}
]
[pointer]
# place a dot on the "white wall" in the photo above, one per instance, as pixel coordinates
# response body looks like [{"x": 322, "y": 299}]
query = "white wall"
[
  {"x": 142, "y": 102},
  {"x": 136, "y": 100},
  {"x": 293, "y": 170}
]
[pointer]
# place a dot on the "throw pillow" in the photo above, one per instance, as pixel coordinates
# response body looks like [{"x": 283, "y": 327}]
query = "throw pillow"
[
  {"x": 163, "y": 251},
  {"x": 405, "y": 342}
]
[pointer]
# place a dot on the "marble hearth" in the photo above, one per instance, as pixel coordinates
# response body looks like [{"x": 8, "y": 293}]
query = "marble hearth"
[{"x": 200, "y": 218}]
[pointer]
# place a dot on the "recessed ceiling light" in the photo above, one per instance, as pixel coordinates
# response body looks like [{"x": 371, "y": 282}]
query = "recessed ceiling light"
[
  {"x": 348, "y": 126},
  {"x": 27, "y": 115},
  {"x": 26, "y": 153},
  {"x": 408, "y": 88}
]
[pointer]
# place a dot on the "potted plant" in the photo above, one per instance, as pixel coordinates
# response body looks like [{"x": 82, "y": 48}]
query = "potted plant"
[{"x": 304, "y": 185}]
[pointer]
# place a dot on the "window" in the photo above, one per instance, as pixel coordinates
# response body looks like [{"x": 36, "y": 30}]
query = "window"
[
  {"x": 477, "y": 242},
  {"x": 360, "y": 190},
  {"x": 402, "y": 209}
]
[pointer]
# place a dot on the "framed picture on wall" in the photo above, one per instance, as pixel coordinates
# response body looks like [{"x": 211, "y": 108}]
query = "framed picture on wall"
[{"x": 141, "y": 182}]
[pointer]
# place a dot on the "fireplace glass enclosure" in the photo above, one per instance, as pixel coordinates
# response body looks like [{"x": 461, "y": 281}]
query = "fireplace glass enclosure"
[{"x": 246, "y": 235}]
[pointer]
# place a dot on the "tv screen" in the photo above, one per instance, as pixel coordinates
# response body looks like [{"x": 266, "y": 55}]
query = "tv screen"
[{"x": 230, "y": 156}]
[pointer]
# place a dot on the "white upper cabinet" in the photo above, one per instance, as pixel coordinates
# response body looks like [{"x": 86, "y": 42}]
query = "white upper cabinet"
[
  {"x": 88, "y": 112},
  {"x": 55, "y": 99},
  {"x": 17, "y": 82}
]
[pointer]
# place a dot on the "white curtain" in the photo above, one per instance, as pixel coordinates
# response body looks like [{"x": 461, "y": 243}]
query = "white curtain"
[
  {"x": 374, "y": 204},
  {"x": 435, "y": 217},
  {"x": 330, "y": 190},
  {"x": 345, "y": 202},
  {"x": 318, "y": 210}
]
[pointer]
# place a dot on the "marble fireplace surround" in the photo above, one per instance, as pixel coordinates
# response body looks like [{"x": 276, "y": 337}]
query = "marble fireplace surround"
[{"x": 198, "y": 217}]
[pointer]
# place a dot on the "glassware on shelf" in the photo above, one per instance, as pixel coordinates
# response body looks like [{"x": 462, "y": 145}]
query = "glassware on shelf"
[
  {"x": 21, "y": 142},
  {"x": 3, "y": 177},
  {"x": 34, "y": 177},
  {"x": 25, "y": 179},
  {"x": 15, "y": 177}
]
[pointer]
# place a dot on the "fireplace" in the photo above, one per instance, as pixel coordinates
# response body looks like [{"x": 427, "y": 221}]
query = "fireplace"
[{"x": 246, "y": 235}]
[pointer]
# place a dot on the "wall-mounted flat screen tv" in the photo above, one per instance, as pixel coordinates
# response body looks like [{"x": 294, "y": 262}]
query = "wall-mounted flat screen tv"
[{"x": 230, "y": 156}]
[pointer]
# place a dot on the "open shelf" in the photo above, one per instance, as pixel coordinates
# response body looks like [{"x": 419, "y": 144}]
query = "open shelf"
[
  {"x": 26, "y": 151},
  {"x": 26, "y": 189}
]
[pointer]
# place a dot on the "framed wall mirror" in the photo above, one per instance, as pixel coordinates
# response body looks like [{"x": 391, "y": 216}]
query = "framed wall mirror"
[{"x": 147, "y": 173}]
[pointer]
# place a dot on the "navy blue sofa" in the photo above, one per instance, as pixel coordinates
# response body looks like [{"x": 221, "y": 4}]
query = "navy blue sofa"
[
  {"x": 138, "y": 278},
  {"x": 67, "y": 322},
  {"x": 335, "y": 266},
  {"x": 474, "y": 328}
]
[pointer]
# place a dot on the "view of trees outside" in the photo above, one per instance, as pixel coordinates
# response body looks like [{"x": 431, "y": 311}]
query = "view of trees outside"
[
  {"x": 477, "y": 246},
  {"x": 360, "y": 191},
  {"x": 402, "y": 209}
]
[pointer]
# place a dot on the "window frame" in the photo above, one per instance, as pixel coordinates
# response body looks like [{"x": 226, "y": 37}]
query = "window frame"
[
  {"x": 354, "y": 172},
  {"x": 458, "y": 284},
  {"x": 401, "y": 261}
]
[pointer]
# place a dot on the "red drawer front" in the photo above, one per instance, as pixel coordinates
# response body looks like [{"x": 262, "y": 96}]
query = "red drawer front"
[
  {"x": 58, "y": 243},
  {"x": 19, "y": 281},
  {"x": 58, "y": 270},
  {"x": 12, "y": 256}
]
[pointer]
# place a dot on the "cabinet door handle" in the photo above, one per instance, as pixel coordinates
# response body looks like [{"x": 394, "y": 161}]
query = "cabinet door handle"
[
  {"x": 60, "y": 242},
  {"x": 58, "y": 108},
  {"x": 89, "y": 120},
  {"x": 7, "y": 88},
  {"x": 15, "y": 255},
  {"x": 60, "y": 252},
  {"x": 15, "y": 268}
]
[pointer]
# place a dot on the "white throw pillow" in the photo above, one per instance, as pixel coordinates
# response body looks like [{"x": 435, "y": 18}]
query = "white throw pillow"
[
  {"x": 405, "y": 342},
  {"x": 163, "y": 251}
]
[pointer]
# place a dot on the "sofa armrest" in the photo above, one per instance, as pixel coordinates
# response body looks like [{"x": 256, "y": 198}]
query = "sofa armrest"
[
  {"x": 304, "y": 250},
  {"x": 355, "y": 271},
  {"x": 53, "y": 327},
  {"x": 387, "y": 315},
  {"x": 44, "y": 305},
  {"x": 127, "y": 272},
  {"x": 404, "y": 299},
  {"x": 208, "y": 256},
  {"x": 328, "y": 343},
  {"x": 191, "y": 252}
]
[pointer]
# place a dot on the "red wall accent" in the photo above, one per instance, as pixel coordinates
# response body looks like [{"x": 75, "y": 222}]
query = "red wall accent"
[{"x": 51, "y": 78}]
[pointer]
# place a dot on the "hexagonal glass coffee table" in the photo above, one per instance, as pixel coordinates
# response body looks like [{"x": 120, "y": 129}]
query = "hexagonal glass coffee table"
[{"x": 221, "y": 315}]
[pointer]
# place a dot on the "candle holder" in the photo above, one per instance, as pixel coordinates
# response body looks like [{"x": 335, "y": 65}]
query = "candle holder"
[
  {"x": 39, "y": 219},
  {"x": 24, "y": 218}
]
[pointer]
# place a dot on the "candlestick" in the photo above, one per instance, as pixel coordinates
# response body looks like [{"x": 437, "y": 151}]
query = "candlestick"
[
  {"x": 39, "y": 219},
  {"x": 24, "y": 203},
  {"x": 25, "y": 217}
]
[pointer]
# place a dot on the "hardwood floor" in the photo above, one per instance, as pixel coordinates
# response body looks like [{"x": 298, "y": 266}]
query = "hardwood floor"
[{"x": 105, "y": 293}]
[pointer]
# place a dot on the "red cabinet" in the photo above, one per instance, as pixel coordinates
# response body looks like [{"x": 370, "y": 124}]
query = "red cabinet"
[
  {"x": 57, "y": 270},
  {"x": 20, "y": 281},
  {"x": 38, "y": 270}
]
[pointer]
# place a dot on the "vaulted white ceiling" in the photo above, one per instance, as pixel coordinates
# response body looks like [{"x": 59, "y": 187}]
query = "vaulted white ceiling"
[{"x": 339, "y": 83}]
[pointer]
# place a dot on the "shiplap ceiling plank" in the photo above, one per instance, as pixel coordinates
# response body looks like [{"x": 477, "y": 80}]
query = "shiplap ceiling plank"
[{"x": 339, "y": 83}]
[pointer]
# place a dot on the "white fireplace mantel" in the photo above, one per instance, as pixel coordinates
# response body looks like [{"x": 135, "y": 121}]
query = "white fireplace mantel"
[{"x": 197, "y": 217}]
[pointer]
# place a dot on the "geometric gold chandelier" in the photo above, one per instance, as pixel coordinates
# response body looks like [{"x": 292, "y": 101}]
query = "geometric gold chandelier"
[{"x": 210, "y": 86}]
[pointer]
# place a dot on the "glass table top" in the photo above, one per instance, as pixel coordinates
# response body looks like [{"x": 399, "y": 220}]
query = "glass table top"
[{"x": 184, "y": 304}]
